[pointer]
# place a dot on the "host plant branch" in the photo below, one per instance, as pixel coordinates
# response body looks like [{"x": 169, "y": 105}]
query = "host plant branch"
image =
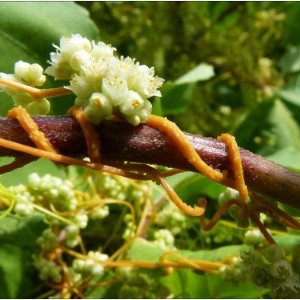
[{"x": 121, "y": 141}]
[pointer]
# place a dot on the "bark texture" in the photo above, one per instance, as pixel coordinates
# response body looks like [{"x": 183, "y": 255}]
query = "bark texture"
[{"x": 121, "y": 141}]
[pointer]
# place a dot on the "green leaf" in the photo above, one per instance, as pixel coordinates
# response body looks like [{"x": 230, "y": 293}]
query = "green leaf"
[
  {"x": 275, "y": 130},
  {"x": 147, "y": 251},
  {"x": 190, "y": 285},
  {"x": 17, "y": 238},
  {"x": 195, "y": 186},
  {"x": 287, "y": 240},
  {"x": 28, "y": 31},
  {"x": 175, "y": 97},
  {"x": 290, "y": 62},
  {"x": 21, "y": 232},
  {"x": 41, "y": 166},
  {"x": 291, "y": 96},
  {"x": 200, "y": 73},
  {"x": 288, "y": 157}
]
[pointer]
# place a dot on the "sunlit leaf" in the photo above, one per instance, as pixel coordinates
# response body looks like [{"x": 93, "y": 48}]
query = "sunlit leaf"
[{"x": 200, "y": 73}]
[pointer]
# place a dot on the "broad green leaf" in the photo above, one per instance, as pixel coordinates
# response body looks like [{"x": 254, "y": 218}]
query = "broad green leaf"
[
  {"x": 175, "y": 97},
  {"x": 287, "y": 240},
  {"x": 292, "y": 96},
  {"x": 191, "y": 188},
  {"x": 17, "y": 238},
  {"x": 290, "y": 62},
  {"x": 41, "y": 166},
  {"x": 200, "y": 73},
  {"x": 28, "y": 31},
  {"x": 21, "y": 232},
  {"x": 268, "y": 128},
  {"x": 191, "y": 285},
  {"x": 288, "y": 157},
  {"x": 147, "y": 251},
  {"x": 12, "y": 267}
]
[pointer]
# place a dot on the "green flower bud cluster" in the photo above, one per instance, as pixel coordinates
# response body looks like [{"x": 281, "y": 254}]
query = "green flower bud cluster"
[
  {"x": 103, "y": 83},
  {"x": 130, "y": 230},
  {"x": 47, "y": 191},
  {"x": 32, "y": 75},
  {"x": 120, "y": 188},
  {"x": 89, "y": 267},
  {"x": 70, "y": 234},
  {"x": 172, "y": 218},
  {"x": 268, "y": 269},
  {"x": 164, "y": 239},
  {"x": 51, "y": 237},
  {"x": 51, "y": 189},
  {"x": 48, "y": 270},
  {"x": 47, "y": 240},
  {"x": 100, "y": 213},
  {"x": 81, "y": 219},
  {"x": 23, "y": 199},
  {"x": 254, "y": 237}
]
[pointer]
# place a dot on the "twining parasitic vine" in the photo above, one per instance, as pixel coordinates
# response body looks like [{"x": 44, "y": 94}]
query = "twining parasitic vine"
[{"x": 118, "y": 89}]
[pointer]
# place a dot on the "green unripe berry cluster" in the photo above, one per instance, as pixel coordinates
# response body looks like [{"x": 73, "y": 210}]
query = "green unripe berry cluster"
[
  {"x": 268, "y": 269},
  {"x": 48, "y": 270}
]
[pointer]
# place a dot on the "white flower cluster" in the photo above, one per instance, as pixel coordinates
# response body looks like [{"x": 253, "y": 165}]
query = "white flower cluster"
[
  {"x": 103, "y": 83},
  {"x": 51, "y": 189},
  {"x": 130, "y": 230},
  {"x": 90, "y": 266},
  {"x": 23, "y": 199},
  {"x": 32, "y": 75},
  {"x": 254, "y": 237},
  {"x": 164, "y": 239},
  {"x": 172, "y": 218}
]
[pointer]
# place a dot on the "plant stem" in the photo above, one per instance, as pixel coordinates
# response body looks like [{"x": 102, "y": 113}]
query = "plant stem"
[{"x": 121, "y": 141}]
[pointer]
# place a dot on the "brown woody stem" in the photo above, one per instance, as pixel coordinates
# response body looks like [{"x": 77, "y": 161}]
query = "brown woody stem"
[{"x": 121, "y": 141}]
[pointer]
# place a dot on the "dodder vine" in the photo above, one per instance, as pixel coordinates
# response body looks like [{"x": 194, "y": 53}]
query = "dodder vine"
[{"x": 118, "y": 89}]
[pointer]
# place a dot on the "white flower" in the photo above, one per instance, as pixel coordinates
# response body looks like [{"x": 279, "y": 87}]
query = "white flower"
[
  {"x": 32, "y": 74},
  {"x": 70, "y": 45},
  {"x": 82, "y": 87},
  {"x": 143, "y": 81},
  {"x": 134, "y": 102},
  {"x": 103, "y": 83},
  {"x": 102, "y": 50},
  {"x": 79, "y": 60},
  {"x": 99, "y": 108},
  {"x": 115, "y": 88},
  {"x": 59, "y": 68}
]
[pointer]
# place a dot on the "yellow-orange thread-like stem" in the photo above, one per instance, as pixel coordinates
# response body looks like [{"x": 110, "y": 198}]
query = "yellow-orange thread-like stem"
[
  {"x": 34, "y": 92},
  {"x": 69, "y": 160},
  {"x": 90, "y": 134},
  {"x": 180, "y": 140},
  {"x": 159, "y": 178},
  {"x": 29, "y": 125},
  {"x": 236, "y": 163}
]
